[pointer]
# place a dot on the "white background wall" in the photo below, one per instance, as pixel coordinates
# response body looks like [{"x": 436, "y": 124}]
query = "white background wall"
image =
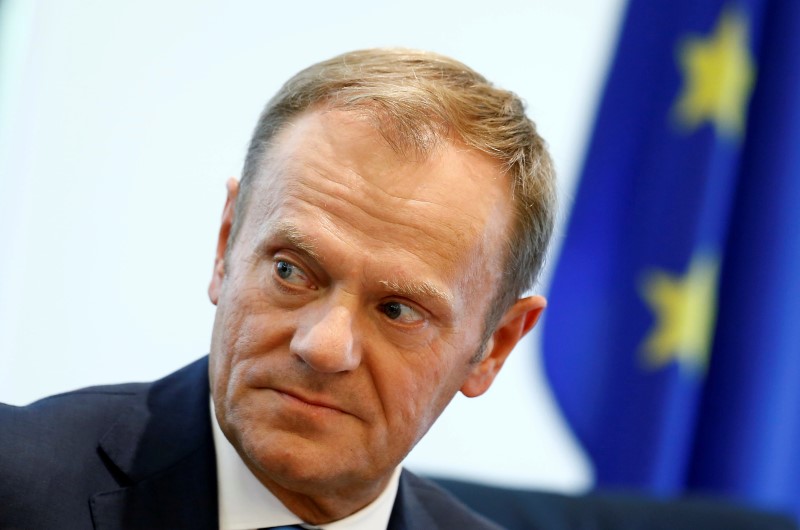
[{"x": 119, "y": 123}]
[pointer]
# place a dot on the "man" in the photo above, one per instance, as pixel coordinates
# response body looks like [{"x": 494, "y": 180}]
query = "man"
[{"x": 393, "y": 209}]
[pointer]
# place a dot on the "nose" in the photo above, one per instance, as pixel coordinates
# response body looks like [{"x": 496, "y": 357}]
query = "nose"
[{"x": 324, "y": 340}]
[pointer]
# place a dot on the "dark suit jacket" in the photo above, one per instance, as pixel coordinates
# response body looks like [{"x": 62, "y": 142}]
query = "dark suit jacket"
[
  {"x": 141, "y": 456},
  {"x": 517, "y": 509}
]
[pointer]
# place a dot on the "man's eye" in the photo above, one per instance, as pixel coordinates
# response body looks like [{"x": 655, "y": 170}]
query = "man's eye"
[
  {"x": 290, "y": 273},
  {"x": 401, "y": 312}
]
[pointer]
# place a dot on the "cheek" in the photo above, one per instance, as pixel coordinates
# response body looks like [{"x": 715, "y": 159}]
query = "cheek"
[
  {"x": 414, "y": 394},
  {"x": 218, "y": 362},
  {"x": 246, "y": 332},
  {"x": 251, "y": 326}
]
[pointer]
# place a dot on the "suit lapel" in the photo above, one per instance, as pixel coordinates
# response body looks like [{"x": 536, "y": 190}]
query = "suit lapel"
[
  {"x": 162, "y": 454},
  {"x": 409, "y": 512}
]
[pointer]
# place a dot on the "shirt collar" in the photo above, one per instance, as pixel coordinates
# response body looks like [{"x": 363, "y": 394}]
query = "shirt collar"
[{"x": 246, "y": 504}]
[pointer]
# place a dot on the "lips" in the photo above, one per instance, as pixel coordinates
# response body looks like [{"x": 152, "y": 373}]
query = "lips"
[{"x": 310, "y": 402}]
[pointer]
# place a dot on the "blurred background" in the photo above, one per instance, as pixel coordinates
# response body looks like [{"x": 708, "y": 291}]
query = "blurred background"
[{"x": 120, "y": 122}]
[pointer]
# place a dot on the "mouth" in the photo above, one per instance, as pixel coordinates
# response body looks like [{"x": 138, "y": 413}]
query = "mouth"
[{"x": 312, "y": 404}]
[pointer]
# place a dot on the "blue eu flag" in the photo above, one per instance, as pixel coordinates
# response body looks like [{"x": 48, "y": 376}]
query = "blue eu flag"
[{"x": 672, "y": 339}]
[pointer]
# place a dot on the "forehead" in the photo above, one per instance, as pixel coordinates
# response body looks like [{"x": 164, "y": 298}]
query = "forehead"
[{"x": 335, "y": 172}]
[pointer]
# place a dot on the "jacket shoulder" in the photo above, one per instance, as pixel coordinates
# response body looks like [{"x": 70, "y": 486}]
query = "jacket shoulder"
[
  {"x": 72, "y": 415},
  {"x": 52, "y": 443},
  {"x": 71, "y": 460}
]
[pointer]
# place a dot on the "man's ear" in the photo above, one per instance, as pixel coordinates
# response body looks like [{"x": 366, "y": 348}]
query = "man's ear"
[
  {"x": 218, "y": 275},
  {"x": 514, "y": 324}
]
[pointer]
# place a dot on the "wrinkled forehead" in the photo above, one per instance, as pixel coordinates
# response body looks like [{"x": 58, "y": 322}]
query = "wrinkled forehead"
[{"x": 339, "y": 168}]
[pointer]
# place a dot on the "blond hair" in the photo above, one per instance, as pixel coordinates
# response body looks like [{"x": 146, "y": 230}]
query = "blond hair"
[{"x": 418, "y": 99}]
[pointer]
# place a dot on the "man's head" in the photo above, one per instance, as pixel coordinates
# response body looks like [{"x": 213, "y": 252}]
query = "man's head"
[
  {"x": 369, "y": 266},
  {"x": 416, "y": 100}
]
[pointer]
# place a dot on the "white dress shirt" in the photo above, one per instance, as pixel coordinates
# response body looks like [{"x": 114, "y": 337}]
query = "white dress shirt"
[{"x": 246, "y": 504}]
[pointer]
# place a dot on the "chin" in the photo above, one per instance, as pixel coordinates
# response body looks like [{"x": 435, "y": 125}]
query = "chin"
[{"x": 313, "y": 468}]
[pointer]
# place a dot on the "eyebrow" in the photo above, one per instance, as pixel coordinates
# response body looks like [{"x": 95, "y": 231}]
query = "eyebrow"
[
  {"x": 413, "y": 289},
  {"x": 296, "y": 237}
]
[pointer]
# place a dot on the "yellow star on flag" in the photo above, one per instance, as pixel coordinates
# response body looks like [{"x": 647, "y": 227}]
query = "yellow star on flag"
[
  {"x": 719, "y": 73},
  {"x": 685, "y": 310}
]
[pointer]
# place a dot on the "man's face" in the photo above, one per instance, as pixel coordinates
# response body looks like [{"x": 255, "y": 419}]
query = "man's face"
[{"x": 352, "y": 302}]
